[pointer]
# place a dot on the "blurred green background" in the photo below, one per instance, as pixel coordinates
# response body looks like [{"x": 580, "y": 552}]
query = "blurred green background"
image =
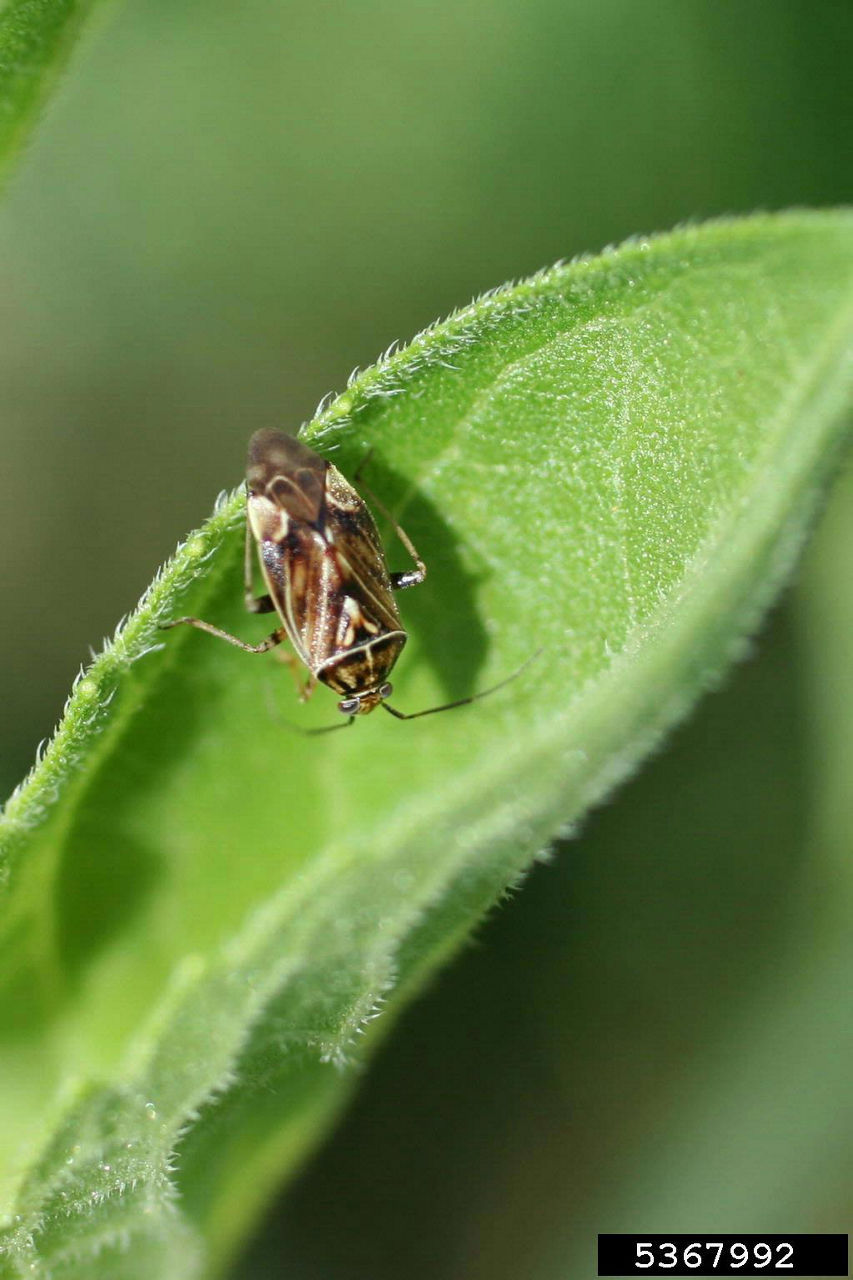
[{"x": 226, "y": 209}]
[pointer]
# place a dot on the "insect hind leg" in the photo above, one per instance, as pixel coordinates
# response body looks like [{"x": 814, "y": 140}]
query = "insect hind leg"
[{"x": 409, "y": 577}]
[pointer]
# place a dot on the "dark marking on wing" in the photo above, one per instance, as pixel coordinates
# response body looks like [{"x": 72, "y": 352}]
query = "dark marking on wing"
[{"x": 289, "y": 473}]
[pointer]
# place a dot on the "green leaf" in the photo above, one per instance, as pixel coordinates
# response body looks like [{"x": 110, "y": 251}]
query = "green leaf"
[
  {"x": 36, "y": 37},
  {"x": 610, "y": 465}
]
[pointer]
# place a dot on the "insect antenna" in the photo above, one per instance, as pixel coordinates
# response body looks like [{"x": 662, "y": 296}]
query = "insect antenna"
[
  {"x": 462, "y": 702},
  {"x": 326, "y": 728},
  {"x": 300, "y": 729},
  {"x": 312, "y": 733}
]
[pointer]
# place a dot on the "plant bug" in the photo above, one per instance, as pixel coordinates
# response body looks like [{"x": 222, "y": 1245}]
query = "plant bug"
[{"x": 326, "y": 577}]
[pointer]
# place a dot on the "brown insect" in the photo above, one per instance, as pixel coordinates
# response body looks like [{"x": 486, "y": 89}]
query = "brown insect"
[{"x": 325, "y": 573}]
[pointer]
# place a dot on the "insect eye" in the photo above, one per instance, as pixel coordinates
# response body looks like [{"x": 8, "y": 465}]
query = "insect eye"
[
  {"x": 349, "y": 706},
  {"x": 386, "y": 690}
]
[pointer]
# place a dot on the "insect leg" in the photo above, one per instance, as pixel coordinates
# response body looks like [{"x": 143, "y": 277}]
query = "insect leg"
[
  {"x": 411, "y": 577},
  {"x": 255, "y": 604},
  {"x": 360, "y": 468},
  {"x": 289, "y": 659},
  {"x": 271, "y": 641}
]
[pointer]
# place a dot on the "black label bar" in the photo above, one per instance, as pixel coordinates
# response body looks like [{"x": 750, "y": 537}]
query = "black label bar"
[{"x": 723, "y": 1256}]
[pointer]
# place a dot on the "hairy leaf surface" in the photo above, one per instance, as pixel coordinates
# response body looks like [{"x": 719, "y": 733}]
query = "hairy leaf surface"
[{"x": 611, "y": 466}]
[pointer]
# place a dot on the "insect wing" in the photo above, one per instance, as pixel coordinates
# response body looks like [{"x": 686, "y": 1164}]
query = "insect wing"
[{"x": 352, "y": 535}]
